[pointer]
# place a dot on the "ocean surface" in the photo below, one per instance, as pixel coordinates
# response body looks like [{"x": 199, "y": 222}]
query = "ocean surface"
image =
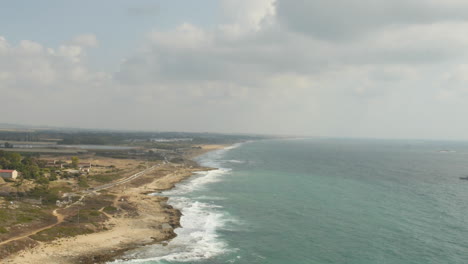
[{"x": 323, "y": 201}]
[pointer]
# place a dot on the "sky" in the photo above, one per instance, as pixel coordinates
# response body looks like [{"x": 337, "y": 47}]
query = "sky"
[{"x": 354, "y": 68}]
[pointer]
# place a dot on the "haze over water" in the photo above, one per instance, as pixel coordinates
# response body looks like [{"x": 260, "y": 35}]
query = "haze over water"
[{"x": 324, "y": 201}]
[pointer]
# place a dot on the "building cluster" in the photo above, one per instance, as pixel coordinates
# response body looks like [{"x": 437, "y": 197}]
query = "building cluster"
[
  {"x": 84, "y": 167},
  {"x": 55, "y": 164},
  {"x": 81, "y": 167}
]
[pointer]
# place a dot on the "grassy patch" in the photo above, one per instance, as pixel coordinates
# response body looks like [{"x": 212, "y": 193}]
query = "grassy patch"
[
  {"x": 60, "y": 232},
  {"x": 105, "y": 178},
  {"x": 24, "y": 218},
  {"x": 110, "y": 209},
  {"x": 24, "y": 213},
  {"x": 96, "y": 203},
  {"x": 3, "y": 230},
  {"x": 87, "y": 216},
  {"x": 83, "y": 182},
  {"x": 64, "y": 187}
]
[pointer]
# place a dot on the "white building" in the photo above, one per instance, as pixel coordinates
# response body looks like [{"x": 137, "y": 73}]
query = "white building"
[
  {"x": 8, "y": 174},
  {"x": 84, "y": 167}
]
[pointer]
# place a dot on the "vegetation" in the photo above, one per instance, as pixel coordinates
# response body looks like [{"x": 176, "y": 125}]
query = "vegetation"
[
  {"x": 60, "y": 232},
  {"x": 36, "y": 193},
  {"x": 19, "y": 136},
  {"x": 75, "y": 160},
  {"x": 23, "y": 213},
  {"x": 48, "y": 195},
  {"x": 92, "y": 138},
  {"x": 52, "y": 176},
  {"x": 110, "y": 209},
  {"x": 71, "y": 137},
  {"x": 83, "y": 181},
  {"x": 29, "y": 167},
  {"x": 105, "y": 178}
]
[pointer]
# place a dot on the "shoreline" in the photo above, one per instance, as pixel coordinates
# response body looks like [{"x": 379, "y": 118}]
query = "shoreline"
[{"x": 146, "y": 220}]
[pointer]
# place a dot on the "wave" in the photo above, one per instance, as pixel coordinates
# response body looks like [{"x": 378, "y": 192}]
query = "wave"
[
  {"x": 236, "y": 161},
  {"x": 197, "y": 240},
  {"x": 201, "y": 219},
  {"x": 210, "y": 198},
  {"x": 213, "y": 158},
  {"x": 234, "y": 146},
  {"x": 198, "y": 182}
]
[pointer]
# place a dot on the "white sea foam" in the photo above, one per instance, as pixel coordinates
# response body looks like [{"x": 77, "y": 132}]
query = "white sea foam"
[
  {"x": 236, "y": 161},
  {"x": 197, "y": 239},
  {"x": 235, "y": 145},
  {"x": 198, "y": 182},
  {"x": 210, "y": 198},
  {"x": 201, "y": 220},
  {"x": 213, "y": 158}
]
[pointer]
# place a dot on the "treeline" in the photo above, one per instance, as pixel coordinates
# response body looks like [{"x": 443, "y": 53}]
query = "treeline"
[
  {"x": 212, "y": 138},
  {"x": 19, "y": 136},
  {"x": 118, "y": 137},
  {"x": 29, "y": 166},
  {"x": 91, "y": 139},
  {"x": 115, "y": 138},
  {"x": 28, "y": 136}
]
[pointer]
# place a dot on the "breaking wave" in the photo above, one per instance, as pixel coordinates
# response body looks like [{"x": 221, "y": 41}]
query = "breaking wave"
[{"x": 201, "y": 219}]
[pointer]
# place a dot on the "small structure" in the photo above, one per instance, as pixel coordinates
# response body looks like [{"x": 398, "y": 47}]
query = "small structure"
[
  {"x": 55, "y": 164},
  {"x": 85, "y": 167},
  {"x": 51, "y": 164},
  {"x": 8, "y": 174},
  {"x": 72, "y": 171}
]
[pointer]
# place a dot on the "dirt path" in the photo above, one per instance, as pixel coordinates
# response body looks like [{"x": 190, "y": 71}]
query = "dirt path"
[{"x": 59, "y": 217}]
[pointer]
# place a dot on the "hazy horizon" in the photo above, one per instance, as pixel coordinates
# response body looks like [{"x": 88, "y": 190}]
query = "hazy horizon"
[{"x": 359, "y": 69}]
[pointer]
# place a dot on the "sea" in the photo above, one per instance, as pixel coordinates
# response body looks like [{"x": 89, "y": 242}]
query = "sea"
[{"x": 303, "y": 201}]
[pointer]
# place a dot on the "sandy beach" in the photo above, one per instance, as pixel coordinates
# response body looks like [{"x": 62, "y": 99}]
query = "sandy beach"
[{"x": 142, "y": 219}]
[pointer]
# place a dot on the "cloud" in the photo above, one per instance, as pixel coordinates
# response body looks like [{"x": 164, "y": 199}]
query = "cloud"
[
  {"x": 46, "y": 84},
  {"x": 85, "y": 40},
  {"x": 29, "y": 64},
  {"x": 248, "y": 15},
  {"x": 311, "y": 81},
  {"x": 343, "y": 20},
  {"x": 361, "y": 68}
]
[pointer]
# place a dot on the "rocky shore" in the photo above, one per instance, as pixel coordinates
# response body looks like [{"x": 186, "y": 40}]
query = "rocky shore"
[{"x": 140, "y": 220}]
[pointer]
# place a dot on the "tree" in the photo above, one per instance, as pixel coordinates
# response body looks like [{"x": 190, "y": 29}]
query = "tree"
[
  {"x": 42, "y": 180},
  {"x": 75, "y": 160},
  {"x": 52, "y": 176}
]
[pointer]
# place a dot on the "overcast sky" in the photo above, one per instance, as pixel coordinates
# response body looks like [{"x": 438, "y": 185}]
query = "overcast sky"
[{"x": 351, "y": 68}]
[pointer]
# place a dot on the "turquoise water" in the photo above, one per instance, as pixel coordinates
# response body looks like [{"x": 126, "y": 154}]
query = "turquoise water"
[{"x": 323, "y": 201}]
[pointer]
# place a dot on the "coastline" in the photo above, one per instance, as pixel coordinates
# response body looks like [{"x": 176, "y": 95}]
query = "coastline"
[{"x": 145, "y": 220}]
